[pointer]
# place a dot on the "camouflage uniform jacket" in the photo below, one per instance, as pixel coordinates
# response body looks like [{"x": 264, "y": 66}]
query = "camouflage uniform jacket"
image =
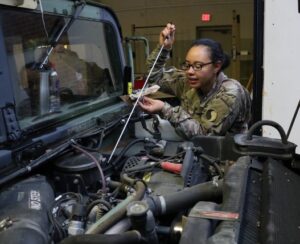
[{"x": 226, "y": 108}]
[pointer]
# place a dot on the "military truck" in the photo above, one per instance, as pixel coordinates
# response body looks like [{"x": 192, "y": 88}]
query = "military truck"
[{"x": 79, "y": 165}]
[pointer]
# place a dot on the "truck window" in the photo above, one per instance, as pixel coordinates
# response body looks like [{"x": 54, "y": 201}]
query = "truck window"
[{"x": 84, "y": 59}]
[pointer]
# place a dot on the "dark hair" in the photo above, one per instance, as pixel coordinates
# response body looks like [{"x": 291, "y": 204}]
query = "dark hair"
[{"x": 216, "y": 51}]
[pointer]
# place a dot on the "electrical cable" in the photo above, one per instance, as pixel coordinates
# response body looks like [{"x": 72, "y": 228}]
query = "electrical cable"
[
  {"x": 55, "y": 212},
  {"x": 293, "y": 120},
  {"x": 121, "y": 154}
]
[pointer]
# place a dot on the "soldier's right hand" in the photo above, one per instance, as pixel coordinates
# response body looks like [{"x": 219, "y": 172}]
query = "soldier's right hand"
[{"x": 167, "y": 36}]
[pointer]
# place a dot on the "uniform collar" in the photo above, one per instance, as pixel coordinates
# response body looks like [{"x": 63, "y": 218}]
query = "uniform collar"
[
  {"x": 216, "y": 86},
  {"x": 221, "y": 77}
]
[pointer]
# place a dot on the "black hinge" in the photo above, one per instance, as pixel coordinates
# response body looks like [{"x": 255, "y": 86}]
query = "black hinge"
[{"x": 13, "y": 131}]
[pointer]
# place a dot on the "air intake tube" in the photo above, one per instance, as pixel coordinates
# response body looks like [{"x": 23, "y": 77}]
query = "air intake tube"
[{"x": 23, "y": 212}]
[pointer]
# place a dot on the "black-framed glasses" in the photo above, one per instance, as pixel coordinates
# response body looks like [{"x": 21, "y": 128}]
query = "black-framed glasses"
[{"x": 197, "y": 66}]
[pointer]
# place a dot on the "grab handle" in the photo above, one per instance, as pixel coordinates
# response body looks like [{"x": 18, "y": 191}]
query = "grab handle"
[{"x": 270, "y": 123}]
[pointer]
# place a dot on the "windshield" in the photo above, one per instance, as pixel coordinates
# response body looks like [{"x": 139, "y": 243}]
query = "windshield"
[{"x": 85, "y": 64}]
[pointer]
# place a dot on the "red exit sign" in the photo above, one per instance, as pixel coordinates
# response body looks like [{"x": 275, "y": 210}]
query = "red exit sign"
[{"x": 206, "y": 17}]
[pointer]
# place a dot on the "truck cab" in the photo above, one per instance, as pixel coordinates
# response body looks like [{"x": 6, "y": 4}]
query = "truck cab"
[{"x": 63, "y": 80}]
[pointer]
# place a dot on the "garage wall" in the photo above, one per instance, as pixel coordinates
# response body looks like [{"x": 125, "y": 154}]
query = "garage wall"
[{"x": 186, "y": 15}]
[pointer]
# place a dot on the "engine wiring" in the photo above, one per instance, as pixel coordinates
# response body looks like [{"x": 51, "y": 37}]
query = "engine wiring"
[
  {"x": 55, "y": 213},
  {"x": 96, "y": 161}
]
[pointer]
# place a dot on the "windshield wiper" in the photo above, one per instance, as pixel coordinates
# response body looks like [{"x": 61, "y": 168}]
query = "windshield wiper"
[
  {"x": 42, "y": 116},
  {"x": 74, "y": 105},
  {"x": 78, "y": 7}
]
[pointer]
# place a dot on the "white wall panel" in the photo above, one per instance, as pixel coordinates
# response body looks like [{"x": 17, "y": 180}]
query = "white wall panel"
[{"x": 281, "y": 66}]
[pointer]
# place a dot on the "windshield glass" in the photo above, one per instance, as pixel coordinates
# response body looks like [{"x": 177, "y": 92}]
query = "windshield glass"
[{"x": 82, "y": 70}]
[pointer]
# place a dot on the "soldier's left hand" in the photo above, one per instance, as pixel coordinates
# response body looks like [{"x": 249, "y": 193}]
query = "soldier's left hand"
[{"x": 151, "y": 105}]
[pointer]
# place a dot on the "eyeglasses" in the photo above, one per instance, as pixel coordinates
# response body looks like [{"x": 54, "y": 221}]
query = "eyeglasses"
[{"x": 197, "y": 66}]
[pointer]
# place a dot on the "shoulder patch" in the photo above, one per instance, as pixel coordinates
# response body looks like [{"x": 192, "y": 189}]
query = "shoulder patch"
[{"x": 211, "y": 115}]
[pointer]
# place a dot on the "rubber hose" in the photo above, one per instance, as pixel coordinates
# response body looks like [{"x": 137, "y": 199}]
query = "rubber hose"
[
  {"x": 186, "y": 198},
  {"x": 118, "y": 212}
]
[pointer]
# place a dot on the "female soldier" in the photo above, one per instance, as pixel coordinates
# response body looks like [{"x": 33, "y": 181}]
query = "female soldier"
[{"x": 211, "y": 103}]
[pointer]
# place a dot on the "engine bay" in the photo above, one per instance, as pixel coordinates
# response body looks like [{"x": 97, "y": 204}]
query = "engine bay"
[
  {"x": 152, "y": 191},
  {"x": 82, "y": 193}
]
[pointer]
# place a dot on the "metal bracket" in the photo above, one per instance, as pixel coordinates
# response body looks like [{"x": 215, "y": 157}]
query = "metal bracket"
[{"x": 13, "y": 130}]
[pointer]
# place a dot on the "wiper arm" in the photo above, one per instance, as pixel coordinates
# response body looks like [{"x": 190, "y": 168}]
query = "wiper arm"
[
  {"x": 44, "y": 115},
  {"x": 78, "y": 7}
]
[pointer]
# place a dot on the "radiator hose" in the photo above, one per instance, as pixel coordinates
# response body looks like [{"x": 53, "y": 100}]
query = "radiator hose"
[
  {"x": 188, "y": 197},
  {"x": 118, "y": 212},
  {"x": 132, "y": 237}
]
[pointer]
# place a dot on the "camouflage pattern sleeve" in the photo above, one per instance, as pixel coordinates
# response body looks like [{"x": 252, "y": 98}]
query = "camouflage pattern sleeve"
[
  {"x": 240, "y": 111},
  {"x": 182, "y": 121},
  {"x": 228, "y": 111},
  {"x": 170, "y": 80},
  {"x": 157, "y": 73}
]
